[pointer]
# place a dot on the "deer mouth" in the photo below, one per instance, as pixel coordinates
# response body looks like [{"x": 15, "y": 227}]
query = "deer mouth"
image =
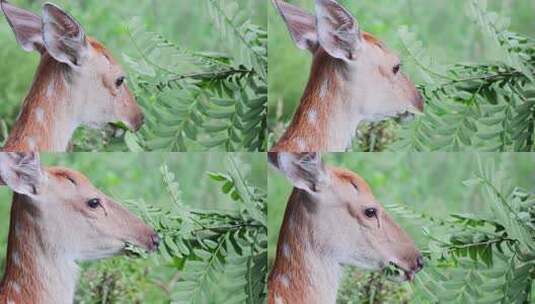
[
  {"x": 123, "y": 126},
  {"x": 135, "y": 251},
  {"x": 401, "y": 116},
  {"x": 397, "y": 273},
  {"x": 407, "y": 115},
  {"x": 141, "y": 249}
]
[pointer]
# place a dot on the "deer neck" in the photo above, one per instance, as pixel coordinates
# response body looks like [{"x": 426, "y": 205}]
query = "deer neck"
[
  {"x": 325, "y": 119},
  {"x": 302, "y": 272},
  {"x": 47, "y": 119},
  {"x": 36, "y": 271}
]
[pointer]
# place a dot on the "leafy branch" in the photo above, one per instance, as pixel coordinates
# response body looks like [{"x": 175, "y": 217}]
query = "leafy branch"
[
  {"x": 198, "y": 101},
  {"x": 485, "y": 107},
  {"x": 478, "y": 259},
  {"x": 211, "y": 246}
]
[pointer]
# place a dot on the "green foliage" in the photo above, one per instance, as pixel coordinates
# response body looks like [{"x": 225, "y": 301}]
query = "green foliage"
[
  {"x": 475, "y": 259},
  {"x": 203, "y": 100},
  {"x": 119, "y": 280},
  {"x": 376, "y": 136},
  {"x": 369, "y": 288},
  {"x": 485, "y": 107},
  {"x": 218, "y": 254}
]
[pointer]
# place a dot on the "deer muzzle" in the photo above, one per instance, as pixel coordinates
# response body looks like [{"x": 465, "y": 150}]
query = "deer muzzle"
[
  {"x": 409, "y": 269},
  {"x": 418, "y": 102}
]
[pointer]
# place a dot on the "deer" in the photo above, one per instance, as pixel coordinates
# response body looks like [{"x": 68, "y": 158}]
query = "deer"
[
  {"x": 353, "y": 78},
  {"x": 332, "y": 219},
  {"x": 77, "y": 83},
  {"x": 59, "y": 218}
]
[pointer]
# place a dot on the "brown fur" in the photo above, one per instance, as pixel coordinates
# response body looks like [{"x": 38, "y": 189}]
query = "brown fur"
[
  {"x": 49, "y": 71},
  {"x": 324, "y": 69},
  {"x": 24, "y": 274},
  {"x": 294, "y": 265}
]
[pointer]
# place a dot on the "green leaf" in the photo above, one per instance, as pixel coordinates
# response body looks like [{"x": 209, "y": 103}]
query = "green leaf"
[{"x": 132, "y": 142}]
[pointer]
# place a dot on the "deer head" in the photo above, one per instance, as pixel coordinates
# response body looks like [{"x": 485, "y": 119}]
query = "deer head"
[
  {"x": 354, "y": 76},
  {"x": 78, "y": 81},
  {"x": 340, "y": 220},
  {"x": 75, "y": 220}
]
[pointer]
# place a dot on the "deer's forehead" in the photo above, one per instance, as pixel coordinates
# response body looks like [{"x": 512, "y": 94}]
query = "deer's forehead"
[
  {"x": 100, "y": 50},
  {"x": 351, "y": 178},
  {"x": 103, "y": 61},
  {"x": 378, "y": 50},
  {"x": 68, "y": 175}
]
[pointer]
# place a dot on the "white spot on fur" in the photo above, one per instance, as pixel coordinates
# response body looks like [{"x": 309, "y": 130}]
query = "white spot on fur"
[
  {"x": 16, "y": 258},
  {"x": 301, "y": 144},
  {"x": 324, "y": 89},
  {"x": 39, "y": 115},
  {"x": 17, "y": 229},
  {"x": 312, "y": 117},
  {"x": 279, "y": 300},
  {"x": 50, "y": 90},
  {"x": 16, "y": 287},
  {"x": 10, "y": 302},
  {"x": 291, "y": 224},
  {"x": 285, "y": 281},
  {"x": 285, "y": 250},
  {"x": 31, "y": 143}
]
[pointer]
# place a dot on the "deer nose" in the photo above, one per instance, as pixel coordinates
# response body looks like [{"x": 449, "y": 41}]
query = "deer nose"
[
  {"x": 419, "y": 263},
  {"x": 419, "y": 102},
  {"x": 140, "y": 119},
  {"x": 155, "y": 242}
]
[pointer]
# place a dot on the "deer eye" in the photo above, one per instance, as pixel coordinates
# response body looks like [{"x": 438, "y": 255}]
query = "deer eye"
[
  {"x": 396, "y": 68},
  {"x": 370, "y": 212},
  {"x": 119, "y": 81},
  {"x": 94, "y": 203}
]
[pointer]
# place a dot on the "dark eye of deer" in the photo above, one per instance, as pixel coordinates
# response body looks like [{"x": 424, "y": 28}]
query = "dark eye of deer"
[
  {"x": 396, "y": 68},
  {"x": 93, "y": 203},
  {"x": 370, "y": 212},
  {"x": 119, "y": 82}
]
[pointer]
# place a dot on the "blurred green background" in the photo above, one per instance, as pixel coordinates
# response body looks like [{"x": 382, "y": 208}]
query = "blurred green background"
[
  {"x": 136, "y": 177},
  {"x": 185, "y": 23},
  {"x": 429, "y": 183},
  {"x": 443, "y": 26}
]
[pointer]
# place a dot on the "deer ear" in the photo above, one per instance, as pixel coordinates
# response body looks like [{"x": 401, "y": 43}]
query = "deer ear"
[
  {"x": 302, "y": 25},
  {"x": 26, "y": 26},
  {"x": 338, "y": 31},
  {"x": 64, "y": 37},
  {"x": 21, "y": 172},
  {"x": 305, "y": 170}
]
